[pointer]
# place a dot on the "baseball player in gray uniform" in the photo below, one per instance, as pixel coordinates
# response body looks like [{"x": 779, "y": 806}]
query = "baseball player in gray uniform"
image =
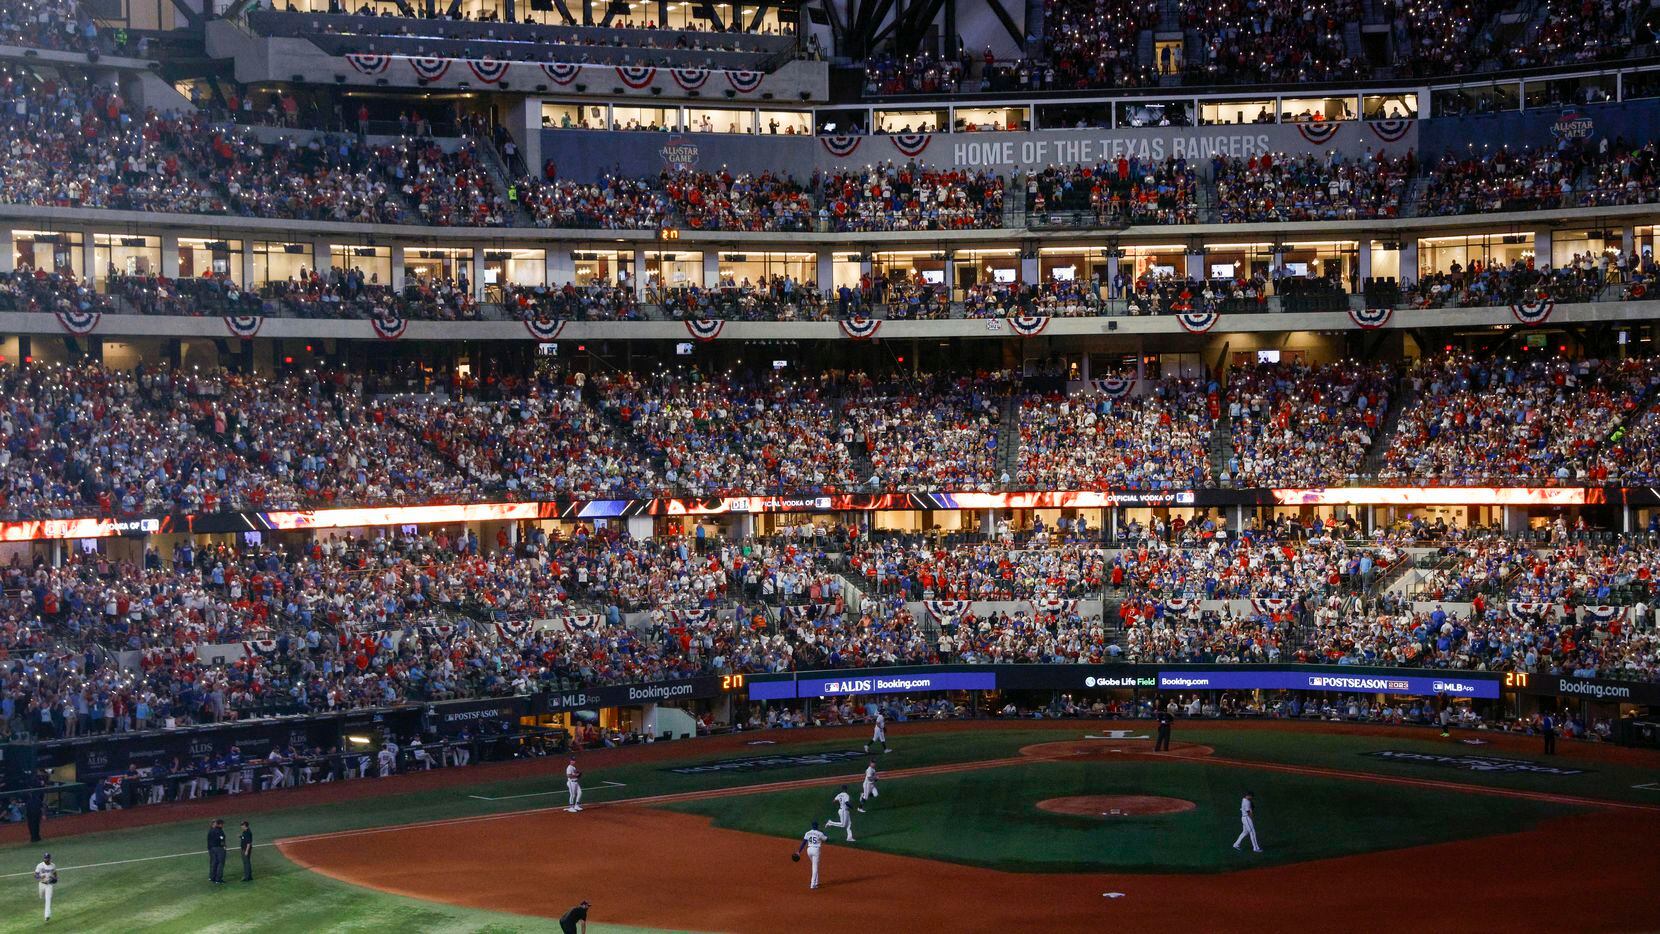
[{"x": 1248, "y": 824}]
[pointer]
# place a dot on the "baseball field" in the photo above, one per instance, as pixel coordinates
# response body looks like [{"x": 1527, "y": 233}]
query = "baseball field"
[{"x": 1075, "y": 825}]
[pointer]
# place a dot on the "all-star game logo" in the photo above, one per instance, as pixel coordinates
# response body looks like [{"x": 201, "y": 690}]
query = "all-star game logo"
[
  {"x": 1474, "y": 763},
  {"x": 679, "y": 153},
  {"x": 1572, "y": 125}
]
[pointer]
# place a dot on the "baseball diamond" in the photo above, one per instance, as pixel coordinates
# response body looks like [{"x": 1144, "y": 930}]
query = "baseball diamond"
[{"x": 968, "y": 804}]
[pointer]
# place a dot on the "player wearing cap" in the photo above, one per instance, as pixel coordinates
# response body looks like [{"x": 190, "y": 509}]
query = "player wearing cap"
[
  {"x": 46, "y": 879},
  {"x": 573, "y": 785},
  {"x": 844, "y": 819}
]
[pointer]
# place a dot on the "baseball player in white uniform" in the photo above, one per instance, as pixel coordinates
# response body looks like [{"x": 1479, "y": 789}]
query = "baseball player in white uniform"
[
  {"x": 869, "y": 790},
  {"x": 573, "y": 785},
  {"x": 811, "y": 841},
  {"x": 844, "y": 817},
  {"x": 1248, "y": 825},
  {"x": 46, "y": 879},
  {"x": 880, "y": 735}
]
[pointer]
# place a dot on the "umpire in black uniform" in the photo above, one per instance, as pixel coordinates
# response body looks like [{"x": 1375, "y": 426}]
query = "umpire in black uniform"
[
  {"x": 216, "y": 852},
  {"x": 579, "y": 915},
  {"x": 1162, "y": 744},
  {"x": 246, "y": 845}
]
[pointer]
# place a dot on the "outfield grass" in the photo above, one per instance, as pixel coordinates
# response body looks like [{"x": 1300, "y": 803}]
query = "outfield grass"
[
  {"x": 990, "y": 817},
  {"x": 167, "y": 891},
  {"x": 1350, "y": 752}
]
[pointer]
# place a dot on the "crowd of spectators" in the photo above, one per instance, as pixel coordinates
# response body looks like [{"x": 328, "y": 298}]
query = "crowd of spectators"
[
  {"x": 571, "y": 302},
  {"x": 890, "y": 196},
  {"x": 732, "y": 434},
  {"x": 773, "y": 298},
  {"x": 928, "y": 432},
  {"x": 1277, "y": 187},
  {"x": 1505, "y": 420},
  {"x": 70, "y": 143},
  {"x": 1152, "y": 437},
  {"x": 1298, "y": 425},
  {"x": 723, "y": 201},
  {"x": 1126, "y": 190},
  {"x": 1571, "y": 174}
]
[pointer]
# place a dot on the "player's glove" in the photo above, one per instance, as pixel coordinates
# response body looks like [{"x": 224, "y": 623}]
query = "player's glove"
[{"x": 795, "y": 857}]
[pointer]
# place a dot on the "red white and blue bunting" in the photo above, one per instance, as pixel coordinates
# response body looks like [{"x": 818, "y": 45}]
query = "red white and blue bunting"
[
  {"x": 1603, "y": 614},
  {"x": 1371, "y": 318},
  {"x": 572, "y": 622},
  {"x": 744, "y": 81},
  {"x": 1180, "y": 605},
  {"x": 1390, "y": 131},
  {"x": 1318, "y": 133},
  {"x": 429, "y": 68},
  {"x": 840, "y": 146},
  {"x": 1113, "y": 387},
  {"x": 705, "y": 329},
  {"x": 860, "y": 328},
  {"x": 261, "y": 647},
  {"x": 697, "y": 616},
  {"x": 487, "y": 70},
  {"x": 1534, "y": 612},
  {"x": 1198, "y": 322},
  {"x": 391, "y": 327},
  {"x": 1533, "y": 313},
  {"x": 636, "y": 76},
  {"x": 515, "y": 630},
  {"x": 1060, "y": 605},
  {"x": 1272, "y": 604},
  {"x": 1029, "y": 325},
  {"x": 910, "y": 144},
  {"x": 562, "y": 73},
  {"x": 689, "y": 79},
  {"x": 544, "y": 329},
  {"x": 369, "y": 63},
  {"x": 946, "y": 611},
  {"x": 245, "y": 327},
  {"x": 79, "y": 323},
  {"x": 440, "y": 630}
]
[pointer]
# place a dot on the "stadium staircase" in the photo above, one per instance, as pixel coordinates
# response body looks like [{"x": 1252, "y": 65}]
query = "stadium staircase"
[
  {"x": 1412, "y": 200},
  {"x": 1353, "y": 47},
  {"x": 1403, "y": 397},
  {"x": 1008, "y": 438},
  {"x": 1221, "y": 446},
  {"x": 1204, "y": 202},
  {"x": 503, "y": 180}
]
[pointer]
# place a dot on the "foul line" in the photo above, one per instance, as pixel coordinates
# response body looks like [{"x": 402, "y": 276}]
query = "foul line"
[
  {"x": 537, "y": 794},
  {"x": 121, "y": 862}
]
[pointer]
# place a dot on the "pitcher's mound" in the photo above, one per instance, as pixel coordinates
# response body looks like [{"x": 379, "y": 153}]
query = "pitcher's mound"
[{"x": 1116, "y": 805}]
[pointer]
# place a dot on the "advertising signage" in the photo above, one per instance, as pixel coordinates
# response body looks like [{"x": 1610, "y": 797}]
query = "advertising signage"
[
  {"x": 873, "y": 683},
  {"x": 1125, "y": 677},
  {"x": 1592, "y": 689},
  {"x": 1454, "y": 685}
]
